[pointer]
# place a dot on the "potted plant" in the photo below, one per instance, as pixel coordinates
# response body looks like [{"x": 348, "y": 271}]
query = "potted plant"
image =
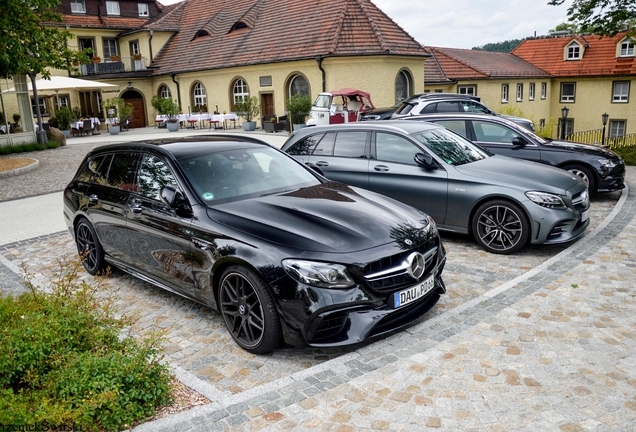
[
  {"x": 117, "y": 110},
  {"x": 115, "y": 58},
  {"x": 16, "y": 122},
  {"x": 248, "y": 108},
  {"x": 298, "y": 107},
  {"x": 171, "y": 110},
  {"x": 63, "y": 118},
  {"x": 96, "y": 59},
  {"x": 136, "y": 56}
]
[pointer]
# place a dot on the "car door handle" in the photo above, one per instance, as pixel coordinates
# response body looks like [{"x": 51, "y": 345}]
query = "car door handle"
[
  {"x": 93, "y": 199},
  {"x": 381, "y": 168},
  {"x": 322, "y": 163}
]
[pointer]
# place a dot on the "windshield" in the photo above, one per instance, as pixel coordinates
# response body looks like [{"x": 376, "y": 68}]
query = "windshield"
[
  {"x": 244, "y": 173},
  {"x": 323, "y": 101},
  {"x": 404, "y": 108},
  {"x": 527, "y": 132},
  {"x": 450, "y": 147}
]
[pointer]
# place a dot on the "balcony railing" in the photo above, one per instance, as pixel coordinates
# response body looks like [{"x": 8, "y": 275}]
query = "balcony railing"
[{"x": 125, "y": 64}]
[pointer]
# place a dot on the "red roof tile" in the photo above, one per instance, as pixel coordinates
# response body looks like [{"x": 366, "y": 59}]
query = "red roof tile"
[
  {"x": 474, "y": 64},
  {"x": 599, "y": 57},
  {"x": 279, "y": 30}
]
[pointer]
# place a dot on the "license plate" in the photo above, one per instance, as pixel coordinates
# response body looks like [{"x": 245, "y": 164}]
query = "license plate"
[
  {"x": 409, "y": 295},
  {"x": 585, "y": 215}
]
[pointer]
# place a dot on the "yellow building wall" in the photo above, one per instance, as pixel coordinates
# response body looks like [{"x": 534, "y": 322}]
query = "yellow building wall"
[{"x": 593, "y": 98}]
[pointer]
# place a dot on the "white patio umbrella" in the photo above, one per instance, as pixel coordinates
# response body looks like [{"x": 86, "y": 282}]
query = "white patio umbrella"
[{"x": 57, "y": 83}]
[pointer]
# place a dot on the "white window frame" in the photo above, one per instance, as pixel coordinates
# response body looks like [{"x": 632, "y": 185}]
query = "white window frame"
[
  {"x": 531, "y": 87},
  {"x": 240, "y": 91},
  {"x": 620, "y": 92},
  {"x": 568, "y": 98},
  {"x": 78, "y": 6},
  {"x": 164, "y": 92},
  {"x": 505, "y": 90},
  {"x": 467, "y": 90},
  {"x": 544, "y": 90},
  {"x": 42, "y": 103},
  {"x": 574, "y": 51},
  {"x": 627, "y": 48},
  {"x": 112, "y": 8},
  {"x": 617, "y": 128},
  {"x": 63, "y": 101},
  {"x": 199, "y": 95},
  {"x": 142, "y": 8},
  {"x": 519, "y": 92}
]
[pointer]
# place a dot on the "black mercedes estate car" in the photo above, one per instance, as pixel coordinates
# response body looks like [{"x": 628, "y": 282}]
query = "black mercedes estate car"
[{"x": 280, "y": 251}]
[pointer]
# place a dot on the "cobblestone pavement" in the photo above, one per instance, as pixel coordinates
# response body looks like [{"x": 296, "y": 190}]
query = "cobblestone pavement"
[{"x": 543, "y": 340}]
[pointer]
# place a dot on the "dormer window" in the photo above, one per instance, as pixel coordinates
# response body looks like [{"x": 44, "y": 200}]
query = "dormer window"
[
  {"x": 573, "y": 51},
  {"x": 627, "y": 48},
  {"x": 78, "y": 6},
  {"x": 142, "y": 8},
  {"x": 200, "y": 34},
  {"x": 112, "y": 8},
  {"x": 239, "y": 25}
]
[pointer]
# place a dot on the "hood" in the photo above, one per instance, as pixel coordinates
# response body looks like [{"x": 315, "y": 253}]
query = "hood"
[
  {"x": 331, "y": 217},
  {"x": 521, "y": 173},
  {"x": 583, "y": 148}
]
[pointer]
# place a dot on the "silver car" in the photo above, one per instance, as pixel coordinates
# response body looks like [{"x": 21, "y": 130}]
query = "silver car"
[{"x": 504, "y": 203}]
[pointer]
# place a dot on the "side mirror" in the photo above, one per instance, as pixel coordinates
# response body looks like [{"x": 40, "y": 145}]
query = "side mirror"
[
  {"x": 424, "y": 160},
  {"x": 519, "y": 141},
  {"x": 174, "y": 199}
]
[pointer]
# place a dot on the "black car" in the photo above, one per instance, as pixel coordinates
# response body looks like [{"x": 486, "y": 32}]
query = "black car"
[
  {"x": 602, "y": 169},
  {"x": 280, "y": 251}
]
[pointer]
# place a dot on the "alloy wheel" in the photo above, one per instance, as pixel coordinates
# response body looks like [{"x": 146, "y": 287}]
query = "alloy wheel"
[{"x": 242, "y": 310}]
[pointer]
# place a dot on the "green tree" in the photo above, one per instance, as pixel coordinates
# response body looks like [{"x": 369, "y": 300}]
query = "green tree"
[
  {"x": 29, "y": 46},
  {"x": 566, "y": 26},
  {"x": 602, "y": 17},
  {"x": 505, "y": 46}
]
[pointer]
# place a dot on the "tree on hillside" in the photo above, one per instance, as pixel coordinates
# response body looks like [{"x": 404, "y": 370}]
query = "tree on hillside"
[
  {"x": 602, "y": 17},
  {"x": 505, "y": 46},
  {"x": 27, "y": 46},
  {"x": 566, "y": 26}
]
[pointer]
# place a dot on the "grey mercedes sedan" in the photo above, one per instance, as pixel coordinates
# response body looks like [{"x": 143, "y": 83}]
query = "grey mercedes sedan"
[{"x": 504, "y": 203}]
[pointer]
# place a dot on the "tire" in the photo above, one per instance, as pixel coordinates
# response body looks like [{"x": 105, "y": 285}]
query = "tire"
[
  {"x": 249, "y": 311},
  {"x": 585, "y": 174},
  {"x": 89, "y": 248},
  {"x": 500, "y": 227}
]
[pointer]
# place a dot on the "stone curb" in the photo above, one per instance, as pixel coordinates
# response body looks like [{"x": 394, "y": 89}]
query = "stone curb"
[{"x": 18, "y": 171}]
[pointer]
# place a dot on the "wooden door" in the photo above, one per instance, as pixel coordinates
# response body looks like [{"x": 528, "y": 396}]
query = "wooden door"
[
  {"x": 267, "y": 102},
  {"x": 139, "y": 113}
]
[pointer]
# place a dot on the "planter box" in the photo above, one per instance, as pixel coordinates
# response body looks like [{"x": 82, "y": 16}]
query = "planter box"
[
  {"x": 113, "y": 130},
  {"x": 249, "y": 126},
  {"x": 273, "y": 127},
  {"x": 172, "y": 126}
]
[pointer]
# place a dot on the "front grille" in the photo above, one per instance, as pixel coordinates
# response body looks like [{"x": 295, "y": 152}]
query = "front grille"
[
  {"x": 330, "y": 326},
  {"x": 557, "y": 230},
  {"x": 581, "y": 201},
  {"x": 390, "y": 273}
]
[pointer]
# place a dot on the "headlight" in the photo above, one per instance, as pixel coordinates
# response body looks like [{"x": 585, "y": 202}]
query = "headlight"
[
  {"x": 606, "y": 163},
  {"x": 318, "y": 274},
  {"x": 545, "y": 199}
]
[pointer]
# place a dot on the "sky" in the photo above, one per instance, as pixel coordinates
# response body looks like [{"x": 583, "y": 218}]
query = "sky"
[{"x": 470, "y": 23}]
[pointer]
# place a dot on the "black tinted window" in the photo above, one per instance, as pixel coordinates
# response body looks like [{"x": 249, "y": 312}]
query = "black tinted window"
[
  {"x": 122, "y": 171},
  {"x": 153, "y": 175},
  {"x": 443, "y": 107},
  {"x": 430, "y": 108},
  {"x": 475, "y": 107},
  {"x": 305, "y": 146},
  {"x": 350, "y": 144},
  {"x": 325, "y": 146},
  {"x": 405, "y": 108},
  {"x": 90, "y": 170},
  {"x": 102, "y": 171}
]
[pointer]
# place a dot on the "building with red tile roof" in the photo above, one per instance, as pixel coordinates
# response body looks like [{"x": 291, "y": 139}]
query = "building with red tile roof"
[
  {"x": 214, "y": 53},
  {"x": 588, "y": 74}
]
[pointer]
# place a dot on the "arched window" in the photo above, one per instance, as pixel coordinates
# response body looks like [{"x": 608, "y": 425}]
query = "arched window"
[
  {"x": 298, "y": 86},
  {"x": 403, "y": 87},
  {"x": 240, "y": 91},
  {"x": 164, "y": 92},
  {"x": 199, "y": 96}
]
